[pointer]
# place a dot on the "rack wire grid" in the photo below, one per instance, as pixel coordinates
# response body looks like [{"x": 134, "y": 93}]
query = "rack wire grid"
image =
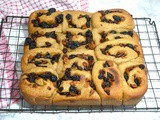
[{"x": 15, "y": 30}]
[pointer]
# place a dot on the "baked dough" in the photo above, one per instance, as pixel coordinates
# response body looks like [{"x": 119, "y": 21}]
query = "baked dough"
[
  {"x": 101, "y": 35},
  {"x": 48, "y": 40},
  {"x": 108, "y": 82},
  {"x": 72, "y": 41},
  {"x": 76, "y": 58},
  {"x": 134, "y": 75},
  {"x": 113, "y": 18},
  {"x": 38, "y": 86},
  {"x": 76, "y": 89},
  {"x": 42, "y": 57},
  {"x": 76, "y": 21},
  {"x": 119, "y": 51},
  {"x": 43, "y": 22}
]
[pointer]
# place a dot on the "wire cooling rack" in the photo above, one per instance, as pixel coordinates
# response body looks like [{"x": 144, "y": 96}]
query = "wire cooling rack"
[{"x": 14, "y": 29}]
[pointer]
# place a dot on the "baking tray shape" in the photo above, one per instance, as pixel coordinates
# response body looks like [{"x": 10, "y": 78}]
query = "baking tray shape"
[{"x": 13, "y": 31}]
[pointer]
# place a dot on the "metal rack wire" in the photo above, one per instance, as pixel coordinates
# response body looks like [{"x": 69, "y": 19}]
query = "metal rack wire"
[{"x": 14, "y": 29}]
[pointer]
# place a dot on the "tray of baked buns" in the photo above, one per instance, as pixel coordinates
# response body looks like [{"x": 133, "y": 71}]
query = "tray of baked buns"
[{"x": 76, "y": 59}]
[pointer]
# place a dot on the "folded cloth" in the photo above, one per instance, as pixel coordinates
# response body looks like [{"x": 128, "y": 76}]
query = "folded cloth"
[{"x": 9, "y": 92}]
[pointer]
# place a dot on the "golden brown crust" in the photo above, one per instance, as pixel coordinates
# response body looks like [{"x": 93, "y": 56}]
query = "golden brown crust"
[
  {"x": 134, "y": 75},
  {"x": 42, "y": 57},
  {"x": 36, "y": 90},
  {"x": 60, "y": 65},
  {"x": 49, "y": 19},
  {"x": 41, "y": 42},
  {"x": 105, "y": 19},
  {"x": 81, "y": 60},
  {"x": 85, "y": 96},
  {"x": 101, "y": 35},
  {"x": 76, "y": 21},
  {"x": 118, "y": 51},
  {"x": 108, "y": 82},
  {"x": 73, "y": 41}
]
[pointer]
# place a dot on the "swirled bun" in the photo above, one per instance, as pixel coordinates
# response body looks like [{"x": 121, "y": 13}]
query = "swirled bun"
[{"x": 77, "y": 58}]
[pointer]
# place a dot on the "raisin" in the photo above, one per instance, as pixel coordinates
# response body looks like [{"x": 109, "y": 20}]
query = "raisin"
[
  {"x": 105, "y": 79},
  {"x": 31, "y": 77},
  {"x": 117, "y": 37},
  {"x": 42, "y": 76},
  {"x": 141, "y": 66},
  {"x": 32, "y": 45},
  {"x": 92, "y": 85},
  {"x": 113, "y": 32},
  {"x": 68, "y": 73},
  {"x": 130, "y": 46},
  {"x": 120, "y": 54},
  {"x": 124, "y": 32},
  {"x": 28, "y": 41},
  {"x": 35, "y": 23},
  {"x": 108, "y": 47},
  {"x": 130, "y": 33},
  {"x": 104, "y": 20},
  {"x": 64, "y": 50},
  {"x": 73, "y": 26},
  {"x": 88, "y": 33},
  {"x": 61, "y": 88},
  {"x": 68, "y": 34},
  {"x": 79, "y": 33},
  {"x": 51, "y": 10},
  {"x": 73, "y": 89},
  {"x": 108, "y": 92},
  {"x": 107, "y": 12},
  {"x": 44, "y": 25},
  {"x": 72, "y": 56},
  {"x": 56, "y": 57},
  {"x": 53, "y": 78},
  {"x": 47, "y": 55},
  {"x": 35, "y": 35},
  {"x": 68, "y": 17},
  {"x": 59, "y": 18},
  {"x": 88, "y": 40},
  {"x": 38, "y": 55},
  {"x": 108, "y": 84},
  {"x": 126, "y": 76},
  {"x": 116, "y": 18},
  {"x": 106, "y": 64},
  {"x": 48, "y": 44},
  {"x": 75, "y": 78},
  {"x": 101, "y": 74},
  {"x": 85, "y": 42},
  {"x": 87, "y": 17},
  {"x": 103, "y": 51},
  {"x": 49, "y": 88},
  {"x": 87, "y": 24},
  {"x": 51, "y": 34},
  {"x": 48, "y": 75},
  {"x": 37, "y": 63},
  {"x": 103, "y": 85},
  {"x": 90, "y": 58},
  {"x": 109, "y": 75},
  {"x": 64, "y": 93},
  {"x": 78, "y": 67},
  {"x": 39, "y": 14},
  {"x": 72, "y": 44},
  {"x": 137, "y": 81},
  {"x": 58, "y": 83},
  {"x": 103, "y": 35}
]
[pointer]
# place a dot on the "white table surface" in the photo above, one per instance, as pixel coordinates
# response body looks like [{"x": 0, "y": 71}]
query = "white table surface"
[{"x": 138, "y": 8}]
